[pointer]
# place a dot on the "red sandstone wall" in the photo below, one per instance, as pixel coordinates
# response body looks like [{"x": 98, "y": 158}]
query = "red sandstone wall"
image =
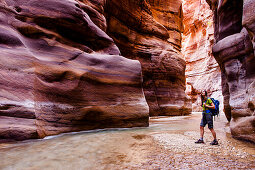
[
  {"x": 150, "y": 31},
  {"x": 202, "y": 70},
  {"x": 61, "y": 71}
]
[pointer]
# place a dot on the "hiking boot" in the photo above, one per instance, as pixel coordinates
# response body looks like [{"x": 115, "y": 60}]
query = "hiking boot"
[
  {"x": 200, "y": 141},
  {"x": 214, "y": 142}
]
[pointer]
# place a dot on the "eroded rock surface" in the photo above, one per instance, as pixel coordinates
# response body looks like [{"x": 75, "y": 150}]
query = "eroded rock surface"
[
  {"x": 202, "y": 70},
  {"x": 61, "y": 72},
  {"x": 234, "y": 51},
  {"x": 150, "y": 31}
]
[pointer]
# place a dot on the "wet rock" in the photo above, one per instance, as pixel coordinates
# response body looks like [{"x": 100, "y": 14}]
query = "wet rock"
[{"x": 234, "y": 51}]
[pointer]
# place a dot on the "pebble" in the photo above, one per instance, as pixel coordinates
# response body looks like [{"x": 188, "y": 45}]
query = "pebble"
[{"x": 184, "y": 144}]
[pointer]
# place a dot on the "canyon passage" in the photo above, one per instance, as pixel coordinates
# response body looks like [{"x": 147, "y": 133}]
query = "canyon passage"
[{"x": 71, "y": 68}]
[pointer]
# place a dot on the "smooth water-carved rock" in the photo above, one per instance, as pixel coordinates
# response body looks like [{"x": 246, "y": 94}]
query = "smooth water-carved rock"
[
  {"x": 150, "y": 31},
  {"x": 234, "y": 51},
  {"x": 61, "y": 72},
  {"x": 202, "y": 70}
]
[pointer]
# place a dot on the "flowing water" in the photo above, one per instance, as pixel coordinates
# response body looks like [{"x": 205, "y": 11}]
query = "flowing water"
[{"x": 167, "y": 144}]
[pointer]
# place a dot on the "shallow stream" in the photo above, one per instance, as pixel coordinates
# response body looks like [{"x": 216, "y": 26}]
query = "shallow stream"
[{"x": 167, "y": 144}]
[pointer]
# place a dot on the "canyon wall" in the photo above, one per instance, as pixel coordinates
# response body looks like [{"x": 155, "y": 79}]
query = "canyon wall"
[
  {"x": 61, "y": 71},
  {"x": 202, "y": 70},
  {"x": 234, "y": 23},
  {"x": 150, "y": 31}
]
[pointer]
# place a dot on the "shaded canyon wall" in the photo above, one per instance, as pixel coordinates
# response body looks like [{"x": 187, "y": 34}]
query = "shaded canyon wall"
[
  {"x": 202, "y": 70},
  {"x": 150, "y": 31},
  {"x": 61, "y": 71},
  {"x": 234, "y": 51}
]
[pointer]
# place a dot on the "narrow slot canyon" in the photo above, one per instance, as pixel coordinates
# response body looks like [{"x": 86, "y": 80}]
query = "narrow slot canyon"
[
  {"x": 222, "y": 32},
  {"x": 202, "y": 70},
  {"x": 116, "y": 84}
]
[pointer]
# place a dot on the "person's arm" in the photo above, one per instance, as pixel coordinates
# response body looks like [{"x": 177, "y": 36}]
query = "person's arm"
[{"x": 211, "y": 106}]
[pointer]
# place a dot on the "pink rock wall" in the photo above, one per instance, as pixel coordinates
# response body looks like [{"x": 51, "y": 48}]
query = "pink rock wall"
[
  {"x": 202, "y": 70},
  {"x": 234, "y": 51},
  {"x": 61, "y": 72}
]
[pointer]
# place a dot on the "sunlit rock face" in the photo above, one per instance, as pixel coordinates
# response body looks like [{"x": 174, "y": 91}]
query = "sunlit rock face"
[
  {"x": 60, "y": 71},
  {"x": 202, "y": 70},
  {"x": 150, "y": 31},
  {"x": 234, "y": 51}
]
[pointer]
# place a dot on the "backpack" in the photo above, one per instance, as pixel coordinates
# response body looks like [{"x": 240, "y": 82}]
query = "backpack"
[{"x": 216, "y": 111}]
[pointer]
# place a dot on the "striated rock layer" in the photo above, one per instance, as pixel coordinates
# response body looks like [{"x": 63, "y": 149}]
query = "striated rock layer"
[
  {"x": 202, "y": 70},
  {"x": 150, "y": 31},
  {"x": 234, "y": 51},
  {"x": 61, "y": 72}
]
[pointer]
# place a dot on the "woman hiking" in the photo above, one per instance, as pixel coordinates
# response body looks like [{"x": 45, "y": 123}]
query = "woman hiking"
[{"x": 207, "y": 118}]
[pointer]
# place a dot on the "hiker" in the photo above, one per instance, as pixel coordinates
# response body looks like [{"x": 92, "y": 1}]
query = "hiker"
[{"x": 207, "y": 118}]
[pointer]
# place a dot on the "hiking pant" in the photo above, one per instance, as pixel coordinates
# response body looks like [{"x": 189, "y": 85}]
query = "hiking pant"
[{"x": 207, "y": 119}]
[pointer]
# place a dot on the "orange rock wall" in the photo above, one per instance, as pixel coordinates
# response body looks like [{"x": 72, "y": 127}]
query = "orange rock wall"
[{"x": 202, "y": 70}]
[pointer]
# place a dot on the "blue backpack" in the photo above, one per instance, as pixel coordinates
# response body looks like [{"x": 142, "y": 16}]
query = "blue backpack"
[{"x": 216, "y": 111}]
